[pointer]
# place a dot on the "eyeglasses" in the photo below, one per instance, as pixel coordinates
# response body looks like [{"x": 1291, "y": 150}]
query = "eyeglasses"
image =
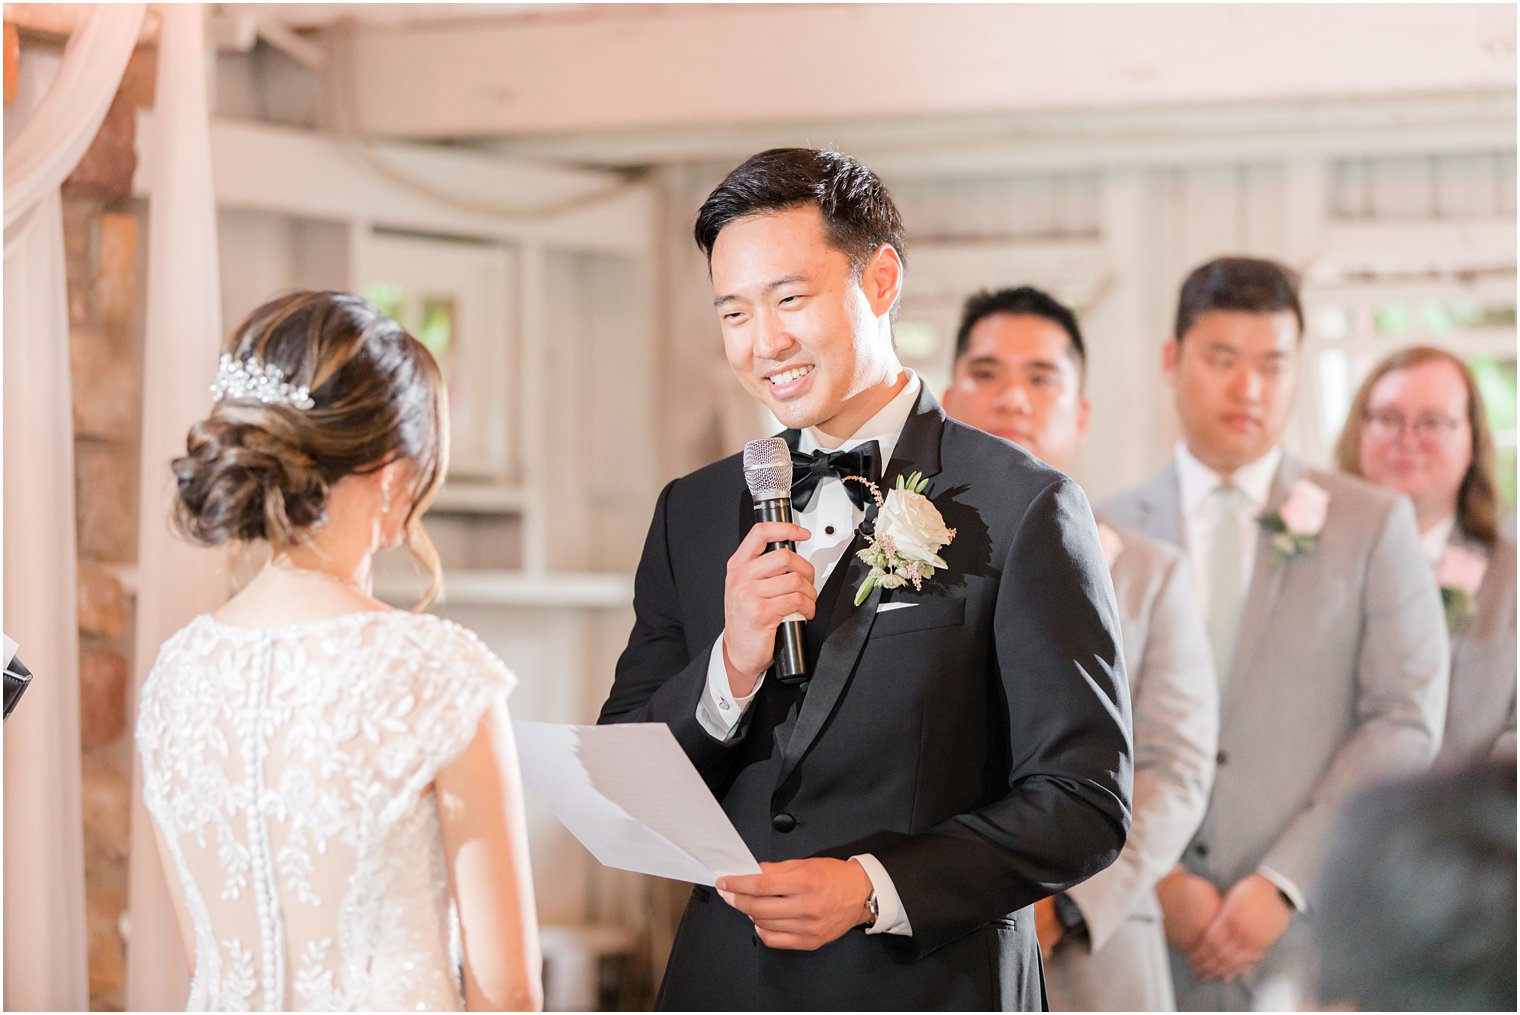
[{"x": 1390, "y": 425}]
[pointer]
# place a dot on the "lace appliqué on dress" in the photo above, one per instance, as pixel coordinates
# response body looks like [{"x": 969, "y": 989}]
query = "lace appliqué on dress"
[{"x": 285, "y": 770}]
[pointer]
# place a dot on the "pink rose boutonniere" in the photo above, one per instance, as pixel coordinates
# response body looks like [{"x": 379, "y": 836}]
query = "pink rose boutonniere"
[
  {"x": 1460, "y": 573},
  {"x": 909, "y": 534},
  {"x": 1296, "y": 524}
]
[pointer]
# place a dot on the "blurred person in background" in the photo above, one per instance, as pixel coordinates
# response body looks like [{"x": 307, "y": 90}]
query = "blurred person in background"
[
  {"x": 1418, "y": 892},
  {"x": 1327, "y": 633},
  {"x": 1020, "y": 368},
  {"x": 1417, "y": 425},
  {"x": 332, "y": 779}
]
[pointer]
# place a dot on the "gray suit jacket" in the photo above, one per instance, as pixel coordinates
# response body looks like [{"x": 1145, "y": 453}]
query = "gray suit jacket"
[
  {"x": 1480, "y": 717},
  {"x": 1339, "y": 678},
  {"x": 1174, "y": 697}
]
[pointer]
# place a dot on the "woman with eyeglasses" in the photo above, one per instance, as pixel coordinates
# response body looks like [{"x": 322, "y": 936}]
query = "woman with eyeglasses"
[{"x": 1417, "y": 425}]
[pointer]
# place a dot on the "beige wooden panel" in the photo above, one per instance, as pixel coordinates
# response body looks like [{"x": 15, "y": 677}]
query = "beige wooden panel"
[
  {"x": 1081, "y": 210},
  {"x": 1033, "y": 206},
  {"x": 1506, "y": 183},
  {"x": 727, "y": 66},
  {"x": 1350, "y": 192},
  {"x": 1466, "y": 186},
  {"x": 1402, "y": 188},
  {"x": 1210, "y": 213},
  {"x": 1263, "y": 210}
]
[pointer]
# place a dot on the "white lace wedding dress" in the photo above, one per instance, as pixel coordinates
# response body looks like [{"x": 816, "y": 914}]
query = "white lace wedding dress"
[{"x": 285, "y": 769}]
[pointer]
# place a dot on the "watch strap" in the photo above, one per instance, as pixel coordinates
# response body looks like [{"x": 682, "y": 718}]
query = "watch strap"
[{"x": 1070, "y": 914}]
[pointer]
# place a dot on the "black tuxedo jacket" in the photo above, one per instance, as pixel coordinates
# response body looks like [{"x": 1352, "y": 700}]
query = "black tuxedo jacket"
[{"x": 977, "y": 743}]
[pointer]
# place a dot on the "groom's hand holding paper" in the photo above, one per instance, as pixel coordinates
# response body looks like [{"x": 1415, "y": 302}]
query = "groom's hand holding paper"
[
  {"x": 632, "y": 798},
  {"x": 801, "y": 904}
]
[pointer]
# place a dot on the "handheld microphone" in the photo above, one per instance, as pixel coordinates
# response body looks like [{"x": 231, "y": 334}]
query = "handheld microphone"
[{"x": 768, "y": 474}]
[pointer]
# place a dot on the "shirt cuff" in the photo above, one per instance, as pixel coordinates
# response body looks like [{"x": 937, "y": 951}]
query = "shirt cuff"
[
  {"x": 1288, "y": 888},
  {"x": 891, "y": 918},
  {"x": 718, "y": 710}
]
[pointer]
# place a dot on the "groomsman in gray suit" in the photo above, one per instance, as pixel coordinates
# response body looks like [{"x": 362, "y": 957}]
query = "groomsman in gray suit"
[
  {"x": 1327, "y": 631},
  {"x": 1019, "y": 370}
]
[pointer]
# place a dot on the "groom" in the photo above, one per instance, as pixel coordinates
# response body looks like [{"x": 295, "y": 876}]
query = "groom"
[{"x": 961, "y": 749}]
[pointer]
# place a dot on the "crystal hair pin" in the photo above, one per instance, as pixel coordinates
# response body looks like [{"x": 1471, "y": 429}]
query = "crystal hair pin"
[{"x": 250, "y": 380}]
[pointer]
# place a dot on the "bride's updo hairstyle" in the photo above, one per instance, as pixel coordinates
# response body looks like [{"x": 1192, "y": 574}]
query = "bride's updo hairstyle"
[{"x": 261, "y": 470}]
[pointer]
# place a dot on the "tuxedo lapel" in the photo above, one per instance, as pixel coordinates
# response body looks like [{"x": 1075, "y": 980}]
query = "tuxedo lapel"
[
  {"x": 1266, "y": 580},
  {"x": 917, "y": 450},
  {"x": 917, "y": 447}
]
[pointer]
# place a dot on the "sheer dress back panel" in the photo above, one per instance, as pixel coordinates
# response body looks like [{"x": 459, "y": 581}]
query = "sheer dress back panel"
[{"x": 287, "y": 770}]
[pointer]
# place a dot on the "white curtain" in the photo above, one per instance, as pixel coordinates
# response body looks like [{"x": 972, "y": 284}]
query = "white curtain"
[
  {"x": 45, "y": 958},
  {"x": 175, "y": 580}
]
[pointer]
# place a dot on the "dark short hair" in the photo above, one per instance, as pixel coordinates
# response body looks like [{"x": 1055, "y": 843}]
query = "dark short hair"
[
  {"x": 1252, "y": 284},
  {"x": 1416, "y": 901},
  {"x": 858, "y": 212},
  {"x": 1028, "y": 301}
]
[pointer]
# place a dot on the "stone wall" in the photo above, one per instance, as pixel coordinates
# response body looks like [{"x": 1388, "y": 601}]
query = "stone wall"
[{"x": 102, "y": 240}]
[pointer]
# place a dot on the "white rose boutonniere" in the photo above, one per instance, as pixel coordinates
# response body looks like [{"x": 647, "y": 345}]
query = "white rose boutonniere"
[
  {"x": 1296, "y": 524},
  {"x": 1460, "y": 573},
  {"x": 909, "y": 535}
]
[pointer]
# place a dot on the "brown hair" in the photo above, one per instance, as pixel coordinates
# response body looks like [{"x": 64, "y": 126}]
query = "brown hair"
[
  {"x": 257, "y": 471},
  {"x": 1478, "y": 496}
]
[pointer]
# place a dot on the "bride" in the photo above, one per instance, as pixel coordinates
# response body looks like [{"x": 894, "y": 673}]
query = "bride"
[{"x": 333, "y": 782}]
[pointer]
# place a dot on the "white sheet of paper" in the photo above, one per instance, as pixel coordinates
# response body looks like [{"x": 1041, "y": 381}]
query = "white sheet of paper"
[{"x": 631, "y": 796}]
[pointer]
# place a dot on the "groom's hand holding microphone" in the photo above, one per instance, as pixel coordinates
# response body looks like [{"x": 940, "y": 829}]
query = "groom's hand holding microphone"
[
  {"x": 760, "y": 591},
  {"x": 768, "y": 593}
]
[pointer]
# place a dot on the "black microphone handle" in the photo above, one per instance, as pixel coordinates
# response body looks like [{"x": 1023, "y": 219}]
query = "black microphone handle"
[{"x": 791, "y": 657}]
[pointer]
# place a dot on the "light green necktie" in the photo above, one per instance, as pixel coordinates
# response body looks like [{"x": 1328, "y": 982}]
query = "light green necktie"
[{"x": 1224, "y": 578}]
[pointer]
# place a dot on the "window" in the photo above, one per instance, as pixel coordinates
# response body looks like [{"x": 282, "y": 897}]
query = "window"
[{"x": 453, "y": 296}]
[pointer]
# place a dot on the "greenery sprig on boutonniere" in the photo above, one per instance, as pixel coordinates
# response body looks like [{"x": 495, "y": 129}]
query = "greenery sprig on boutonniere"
[
  {"x": 907, "y": 539},
  {"x": 1295, "y": 526},
  {"x": 1460, "y": 573}
]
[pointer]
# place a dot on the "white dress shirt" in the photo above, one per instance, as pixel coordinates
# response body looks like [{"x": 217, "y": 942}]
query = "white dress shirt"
[
  {"x": 831, "y": 518},
  {"x": 1197, "y": 483}
]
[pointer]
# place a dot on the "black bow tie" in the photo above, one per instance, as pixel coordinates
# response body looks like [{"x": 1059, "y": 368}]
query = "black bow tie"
[{"x": 809, "y": 468}]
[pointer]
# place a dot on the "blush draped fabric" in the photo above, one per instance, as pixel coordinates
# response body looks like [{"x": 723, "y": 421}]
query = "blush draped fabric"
[{"x": 45, "y": 956}]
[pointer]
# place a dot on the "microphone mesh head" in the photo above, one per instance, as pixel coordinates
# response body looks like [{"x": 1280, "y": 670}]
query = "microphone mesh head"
[{"x": 768, "y": 468}]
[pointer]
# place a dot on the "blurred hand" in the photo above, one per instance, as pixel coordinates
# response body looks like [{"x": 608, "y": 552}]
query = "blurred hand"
[
  {"x": 1249, "y": 922},
  {"x": 760, "y": 590},
  {"x": 1188, "y": 905},
  {"x": 801, "y": 904},
  {"x": 1047, "y": 926}
]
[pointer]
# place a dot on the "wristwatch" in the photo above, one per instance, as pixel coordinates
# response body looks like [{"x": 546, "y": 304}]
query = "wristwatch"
[
  {"x": 873, "y": 907},
  {"x": 1070, "y": 915}
]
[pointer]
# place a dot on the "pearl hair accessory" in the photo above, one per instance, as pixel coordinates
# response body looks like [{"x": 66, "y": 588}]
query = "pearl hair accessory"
[{"x": 250, "y": 380}]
